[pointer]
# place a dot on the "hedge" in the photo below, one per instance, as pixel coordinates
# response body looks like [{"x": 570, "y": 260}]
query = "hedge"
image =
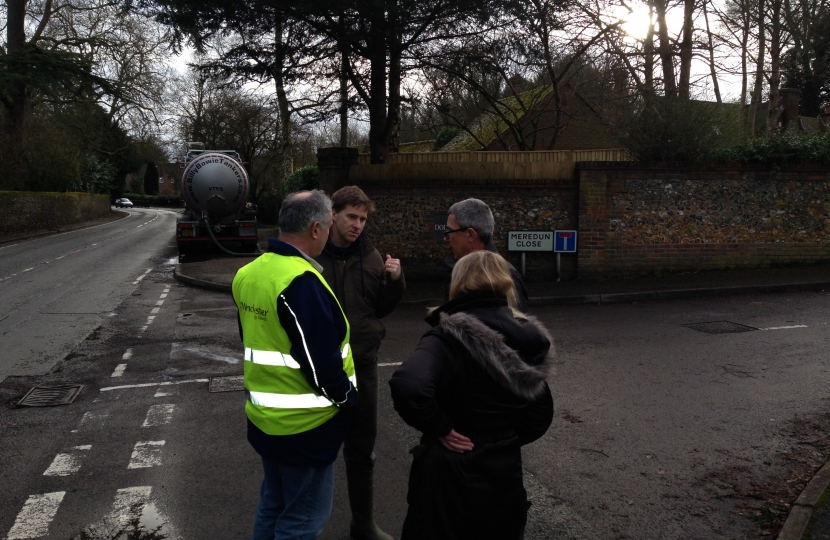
[{"x": 22, "y": 211}]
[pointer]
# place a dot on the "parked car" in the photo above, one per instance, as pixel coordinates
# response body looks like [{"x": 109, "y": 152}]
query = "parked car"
[{"x": 123, "y": 203}]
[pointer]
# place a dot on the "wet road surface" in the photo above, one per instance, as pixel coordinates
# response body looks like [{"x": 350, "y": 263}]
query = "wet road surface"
[{"x": 662, "y": 430}]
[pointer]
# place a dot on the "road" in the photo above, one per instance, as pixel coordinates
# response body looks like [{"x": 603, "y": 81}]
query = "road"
[
  {"x": 661, "y": 431},
  {"x": 54, "y": 291}
]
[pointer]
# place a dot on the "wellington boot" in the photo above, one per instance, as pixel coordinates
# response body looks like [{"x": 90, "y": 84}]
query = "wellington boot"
[{"x": 361, "y": 490}]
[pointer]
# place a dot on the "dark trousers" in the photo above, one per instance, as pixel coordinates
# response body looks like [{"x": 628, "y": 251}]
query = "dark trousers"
[{"x": 359, "y": 446}]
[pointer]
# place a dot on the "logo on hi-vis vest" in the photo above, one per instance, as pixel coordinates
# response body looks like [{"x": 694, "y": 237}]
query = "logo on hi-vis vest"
[{"x": 260, "y": 313}]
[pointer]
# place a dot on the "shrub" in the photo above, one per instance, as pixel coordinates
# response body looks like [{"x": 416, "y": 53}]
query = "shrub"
[
  {"x": 301, "y": 179},
  {"x": 660, "y": 129},
  {"x": 780, "y": 150}
]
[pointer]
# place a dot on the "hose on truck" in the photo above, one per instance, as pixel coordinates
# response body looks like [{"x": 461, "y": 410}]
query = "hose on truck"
[{"x": 220, "y": 246}]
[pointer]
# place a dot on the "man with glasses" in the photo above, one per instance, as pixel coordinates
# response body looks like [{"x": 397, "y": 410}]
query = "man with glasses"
[{"x": 470, "y": 228}]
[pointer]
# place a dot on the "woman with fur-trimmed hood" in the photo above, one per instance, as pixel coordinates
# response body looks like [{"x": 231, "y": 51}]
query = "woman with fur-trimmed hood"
[{"x": 476, "y": 386}]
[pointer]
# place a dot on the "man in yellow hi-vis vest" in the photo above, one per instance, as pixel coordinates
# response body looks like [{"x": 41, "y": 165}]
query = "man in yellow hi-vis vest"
[{"x": 299, "y": 373}]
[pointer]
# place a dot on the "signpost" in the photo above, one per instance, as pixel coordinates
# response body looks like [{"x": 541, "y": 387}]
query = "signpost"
[
  {"x": 564, "y": 242},
  {"x": 525, "y": 241}
]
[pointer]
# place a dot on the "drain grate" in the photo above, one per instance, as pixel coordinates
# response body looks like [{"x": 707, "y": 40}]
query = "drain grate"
[
  {"x": 50, "y": 396},
  {"x": 234, "y": 383},
  {"x": 720, "y": 327}
]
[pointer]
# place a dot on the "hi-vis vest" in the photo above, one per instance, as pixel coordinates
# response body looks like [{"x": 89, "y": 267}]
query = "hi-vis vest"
[{"x": 280, "y": 399}]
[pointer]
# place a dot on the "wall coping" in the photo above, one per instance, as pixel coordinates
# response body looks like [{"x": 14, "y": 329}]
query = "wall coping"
[{"x": 687, "y": 166}]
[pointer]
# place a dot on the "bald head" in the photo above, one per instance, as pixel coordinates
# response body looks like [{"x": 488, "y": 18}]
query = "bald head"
[{"x": 300, "y": 210}]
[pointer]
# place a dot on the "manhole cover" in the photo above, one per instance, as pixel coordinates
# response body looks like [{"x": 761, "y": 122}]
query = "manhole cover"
[
  {"x": 49, "y": 396},
  {"x": 720, "y": 327},
  {"x": 233, "y": 383}
]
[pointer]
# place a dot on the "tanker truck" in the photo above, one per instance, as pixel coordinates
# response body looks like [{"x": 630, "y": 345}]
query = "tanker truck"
[{"x": 215, "y": 193}]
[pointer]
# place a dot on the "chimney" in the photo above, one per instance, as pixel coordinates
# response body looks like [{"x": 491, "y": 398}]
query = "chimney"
[
  {"x": 788, "y": 105},
  {"x": 824, "y": 120}
]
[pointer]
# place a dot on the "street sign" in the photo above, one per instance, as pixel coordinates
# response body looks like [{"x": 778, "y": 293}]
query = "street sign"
[
  {"x": 565, "y": 242},
  {"x": 530, "y": 241},
  {"x": 439, "y": 227}
]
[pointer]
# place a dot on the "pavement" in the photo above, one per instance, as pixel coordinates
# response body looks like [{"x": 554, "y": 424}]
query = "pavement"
[{"x": 217, "y": 274}]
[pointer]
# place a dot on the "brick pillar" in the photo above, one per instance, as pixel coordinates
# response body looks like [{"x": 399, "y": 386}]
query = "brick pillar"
[
  {"x": 593, "y": 222},
  {"x": 334, "y": 164},
  {"x": 789, "y": 104},
  {"x": 824, "y": 120}
]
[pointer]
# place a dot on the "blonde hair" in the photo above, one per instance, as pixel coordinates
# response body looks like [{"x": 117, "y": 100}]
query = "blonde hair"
[{"x": 482, "y": 271}]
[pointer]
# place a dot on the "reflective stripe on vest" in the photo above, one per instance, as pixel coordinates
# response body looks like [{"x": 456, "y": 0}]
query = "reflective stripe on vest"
[
  {"x": 276, "y": 358},
  {"x": 288, "y": 401},
  {"x": 270, "y": 358}
]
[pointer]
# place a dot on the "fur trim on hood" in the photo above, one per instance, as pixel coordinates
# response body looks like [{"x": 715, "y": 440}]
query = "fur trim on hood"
[{"x": 500, "y": 361}]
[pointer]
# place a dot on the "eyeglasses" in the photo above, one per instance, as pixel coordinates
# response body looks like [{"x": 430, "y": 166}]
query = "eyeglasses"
[{"x": 450, "y": 231}]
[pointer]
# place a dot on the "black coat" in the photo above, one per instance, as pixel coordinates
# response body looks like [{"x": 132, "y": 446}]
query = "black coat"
[{"x": 480, "y": 370}]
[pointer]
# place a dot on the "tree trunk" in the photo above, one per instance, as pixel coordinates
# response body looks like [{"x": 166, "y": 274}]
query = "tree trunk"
[
  {"x": 712, "y": 70},
  {"x": 745, "y": 53},
  {"x": 775, "y": 66},
  {"x": 759, "y": 73},
  {"x": 283, "y": 105},
  {"x": 344, "y": 99},
  {"x": 16, "y": 94},
  {"x": 378, "y": 135},
  {"x": 393, "y": 119},
  {"x": 686, "y": 47},
  {"x": 648, "y": 50},
  {"x": 665, "y": 50}
]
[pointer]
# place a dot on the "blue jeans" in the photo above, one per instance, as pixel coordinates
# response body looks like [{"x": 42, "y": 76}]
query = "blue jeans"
[{"x": 294, "y": 502}]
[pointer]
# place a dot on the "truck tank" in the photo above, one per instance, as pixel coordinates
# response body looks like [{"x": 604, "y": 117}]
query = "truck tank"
[
  {"x": 215, "y": 183},
  {"x": 215, "y": 192}
]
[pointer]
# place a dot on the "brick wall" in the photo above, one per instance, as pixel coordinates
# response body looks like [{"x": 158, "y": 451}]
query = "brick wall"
[
  {"x": 403, "y": 224},
  {"x": 631, "y": 218},
  {"x": 635, "y": 219}
]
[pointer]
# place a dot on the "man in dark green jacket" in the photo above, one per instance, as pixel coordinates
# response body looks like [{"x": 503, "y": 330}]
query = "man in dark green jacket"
[{"x": 368, "y": 288}]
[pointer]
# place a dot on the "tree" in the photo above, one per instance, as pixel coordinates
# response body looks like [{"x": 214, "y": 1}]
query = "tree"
[
  {"x": 372, "y": 35},
  {"x": 807, "y": 63},
  {"x": 224, "y": 116}
]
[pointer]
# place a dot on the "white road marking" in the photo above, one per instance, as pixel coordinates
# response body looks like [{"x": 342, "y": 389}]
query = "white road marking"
[
  {"x": 119, "y": 370},
  {"x": 179, "y": 352},
  {"x": 149, "y": 269},
  {"x": 129, "y": 504},
  {"x": 63, "y": 465},
  {"x": 89, "y": 417},
  {"x": 127, "y": 354},
  {"x": 37, "y": 514},
  {"x": 159, "y": 415},
  {"x": 150, "y": 318},
  {"x": 146, "y": 454},
  {"x": 390, "y": 364},
  {"x": 160, "y": 303},
  {"x": 143, "y": 328},
  {"x": 163, "y": 295},
  {"x": 784, "y": 327},
  {"x": 146, "y": 385},
  {"x": 66, "y": 464},
  {"x": 155, "y": 310},
  {"x": 162, "y": 392}
]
